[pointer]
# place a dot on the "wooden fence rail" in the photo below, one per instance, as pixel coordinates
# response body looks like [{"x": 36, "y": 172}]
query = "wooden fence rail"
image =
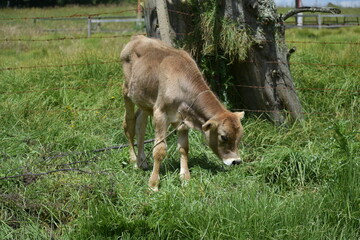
[
  {"x": 91, "y": 20},
  {"x": 324, "y": 20},
  {"x": 113, "y": 20}
]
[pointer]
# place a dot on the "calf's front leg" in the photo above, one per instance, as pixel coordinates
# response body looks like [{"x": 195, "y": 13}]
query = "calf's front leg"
[
  {"x": 159, "y": 151},
  {"x": 183, "y": 146}
]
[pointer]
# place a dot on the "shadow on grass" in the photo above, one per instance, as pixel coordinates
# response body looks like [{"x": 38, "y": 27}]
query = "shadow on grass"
[{"x": 201, "y": 161}]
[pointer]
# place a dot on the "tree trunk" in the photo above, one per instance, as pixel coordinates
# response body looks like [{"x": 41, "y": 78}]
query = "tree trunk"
[
  {"x": 261, "y": 81},
  {"x": 166, "y": 31},
  {"x": 164, "y": 21}
]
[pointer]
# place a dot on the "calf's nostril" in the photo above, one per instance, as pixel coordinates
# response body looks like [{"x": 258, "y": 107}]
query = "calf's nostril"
[{"x": 236, "y": 162}]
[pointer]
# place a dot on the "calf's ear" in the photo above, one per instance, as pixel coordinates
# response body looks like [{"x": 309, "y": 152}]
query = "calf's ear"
[
  {"x": 210, "y": 124},
  {"x": 240, "y": 115}
]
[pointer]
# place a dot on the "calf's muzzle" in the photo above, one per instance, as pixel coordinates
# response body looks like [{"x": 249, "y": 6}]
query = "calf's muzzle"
[{"x": 232, "y": 161}]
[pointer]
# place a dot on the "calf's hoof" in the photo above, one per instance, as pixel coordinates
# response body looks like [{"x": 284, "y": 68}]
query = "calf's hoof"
[
  {"x": 142, "y": 166},
  {"x": 185, "y": 176},
  {"x": 154, "y": 183}
]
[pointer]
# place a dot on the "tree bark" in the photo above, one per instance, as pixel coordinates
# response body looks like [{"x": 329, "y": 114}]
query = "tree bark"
[
  {"x": 263, "y": 80},
  {"x": 310, "y": 9},
  {"x": 167, "y": 34}
]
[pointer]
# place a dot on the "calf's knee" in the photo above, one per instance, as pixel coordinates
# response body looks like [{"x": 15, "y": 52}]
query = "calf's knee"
[{"x": 159, "y": 151}]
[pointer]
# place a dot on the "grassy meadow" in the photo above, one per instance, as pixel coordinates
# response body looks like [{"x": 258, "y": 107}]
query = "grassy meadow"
[{"x": 300, "y": 181}]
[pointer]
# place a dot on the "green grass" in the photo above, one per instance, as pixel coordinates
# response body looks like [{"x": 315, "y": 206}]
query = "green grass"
[{"x": 297, "y": 182}]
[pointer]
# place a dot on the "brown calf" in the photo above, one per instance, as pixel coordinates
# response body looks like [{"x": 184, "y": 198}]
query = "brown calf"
[{"x": 166, "y": 83}]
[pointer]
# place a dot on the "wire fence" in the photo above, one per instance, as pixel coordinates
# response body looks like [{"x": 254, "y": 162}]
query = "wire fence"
[
  {"x": 76, "y": 15},
  {"x": 117, "y": 61},
  {"x": 67, "y": 109},
  {"x": 348, "y": 20}
]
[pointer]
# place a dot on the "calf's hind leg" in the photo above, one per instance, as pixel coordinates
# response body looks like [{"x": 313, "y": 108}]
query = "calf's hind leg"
[
  {"x": 141, "y": 121},
  {"x": 129, "y": 126}
]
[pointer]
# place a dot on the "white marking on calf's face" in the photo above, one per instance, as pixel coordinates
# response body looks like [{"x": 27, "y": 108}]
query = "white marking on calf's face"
[{"x": 232, "y": 161}]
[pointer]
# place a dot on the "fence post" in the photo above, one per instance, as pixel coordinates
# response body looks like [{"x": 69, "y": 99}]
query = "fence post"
[
  {"x": 299, "y": 19},
  {"x": 139, "y": 13},
  {"x": 319, "y": 21},
  {"x": 89, "y": 26}
]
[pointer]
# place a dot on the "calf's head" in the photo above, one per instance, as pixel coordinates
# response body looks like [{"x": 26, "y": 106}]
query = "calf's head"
[{"x": 223, "y": 134}]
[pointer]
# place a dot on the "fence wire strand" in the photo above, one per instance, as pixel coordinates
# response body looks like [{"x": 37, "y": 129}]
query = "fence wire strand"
[
  {"x": 298, "y": 89},
  {"x": 61, "y": 88},
  {"x": 58, "y": 66},
  {"x": 76, "y": 15},
  {"x": 237, "y": 85},
  {"x": 68, "y": 38},
  {"x": 118, "y": 61},
  {"x": 130, "y": 35}
]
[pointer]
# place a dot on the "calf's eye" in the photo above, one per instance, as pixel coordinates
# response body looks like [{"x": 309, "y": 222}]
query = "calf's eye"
[{"x": 224, "y": 138}]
